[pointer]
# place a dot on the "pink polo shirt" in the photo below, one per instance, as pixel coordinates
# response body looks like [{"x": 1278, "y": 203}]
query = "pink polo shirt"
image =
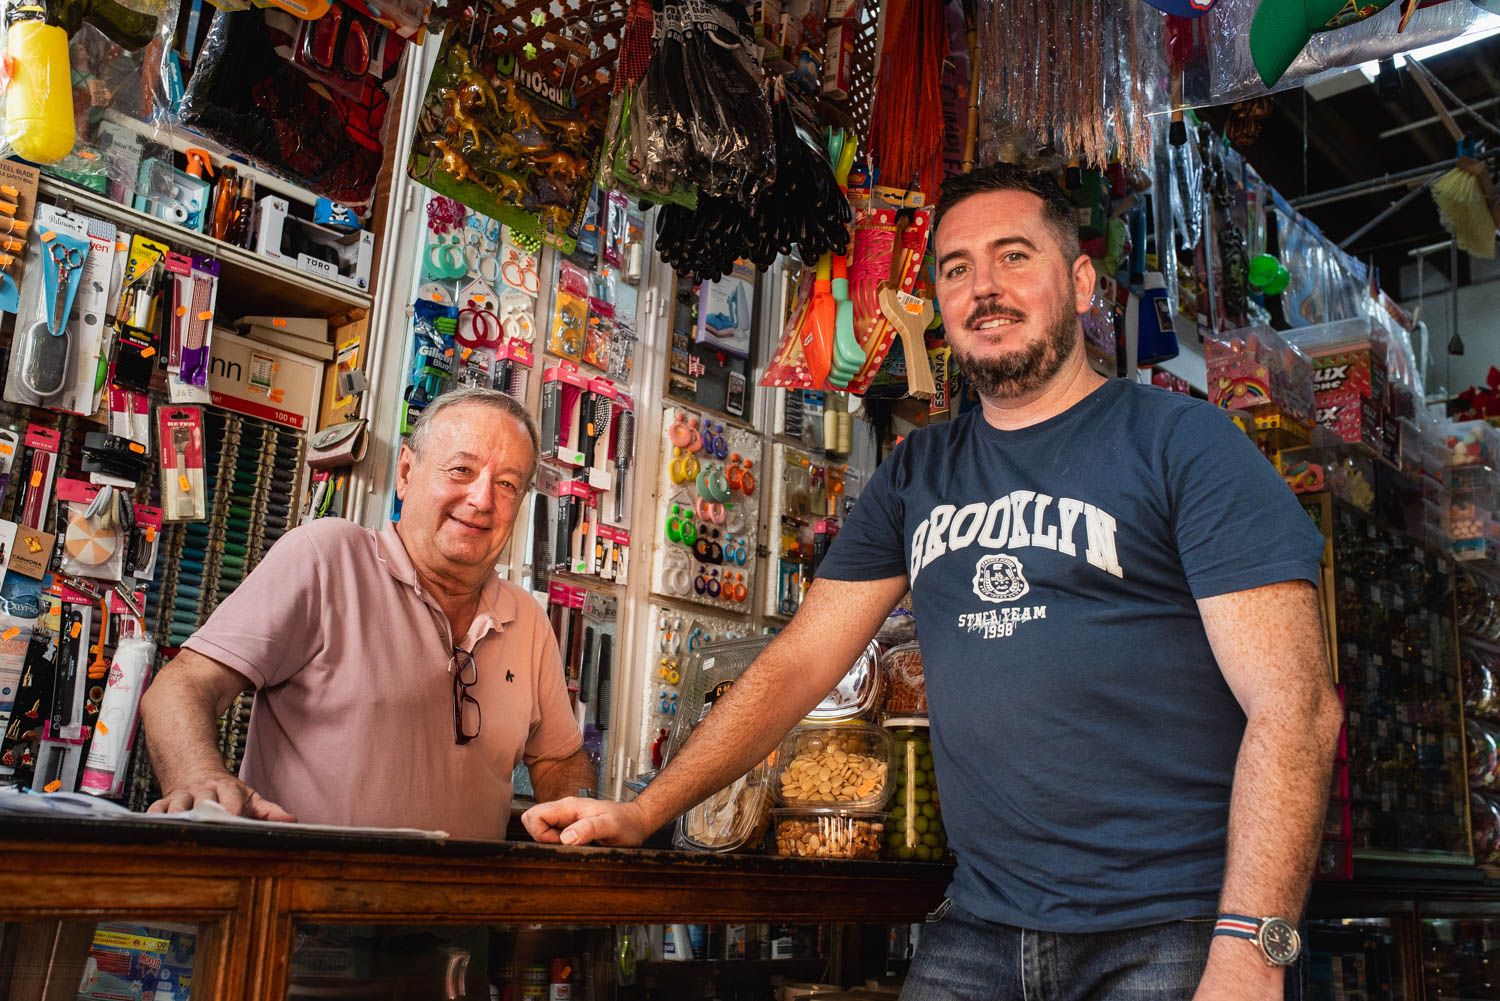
[{"x": 353, "y": 717}]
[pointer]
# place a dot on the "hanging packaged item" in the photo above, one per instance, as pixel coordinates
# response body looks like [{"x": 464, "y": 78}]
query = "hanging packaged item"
[
  {"x": 18, "y": 185},
  {"x": 39, "y": 462},
  {"x": 300, "y": 121},
  {"x": 114, "y": 460},
  {"x": 104, "y": 771},
  {"x": 194, "y": 284},
  {"x": 1247, "y": 47},
  {"x": 98, "y": 525},
  {"x": 145, "y": 543},
  {"x": 570, "y": 313},
  {"x": 136, "y": 358},
  {"x": 60, "y": 319},
  {"x": 505, "y": 141},
  {"x": 180, "y": 455}
]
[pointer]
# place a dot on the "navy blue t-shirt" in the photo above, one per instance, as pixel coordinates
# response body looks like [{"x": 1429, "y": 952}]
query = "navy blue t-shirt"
[{"x": 1084, "y": 736}]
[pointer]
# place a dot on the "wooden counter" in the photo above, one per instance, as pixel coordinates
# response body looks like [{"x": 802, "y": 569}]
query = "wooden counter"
[{"x": 248, "y": 889}]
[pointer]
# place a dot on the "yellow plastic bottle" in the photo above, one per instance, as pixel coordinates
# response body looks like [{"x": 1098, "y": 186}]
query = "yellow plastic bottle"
[{"x": 39, "y": 97}]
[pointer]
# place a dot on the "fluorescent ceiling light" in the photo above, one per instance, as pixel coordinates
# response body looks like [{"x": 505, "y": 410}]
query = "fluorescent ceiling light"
[
  {"x": 1334, "y": 82},
  {"x": 1438, "y": 48}
]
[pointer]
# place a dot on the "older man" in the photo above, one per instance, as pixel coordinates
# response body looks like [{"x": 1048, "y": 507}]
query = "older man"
[{"x": 398, "y": 680}]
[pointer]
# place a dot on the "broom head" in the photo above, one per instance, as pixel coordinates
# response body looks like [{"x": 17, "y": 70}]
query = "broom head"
[{"x": 1467, "y": 206}]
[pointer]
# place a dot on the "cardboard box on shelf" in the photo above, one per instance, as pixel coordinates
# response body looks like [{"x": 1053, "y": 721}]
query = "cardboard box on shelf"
[
  {"x": 339, "y": 402},
  {"x": 266, "y": 382},
  {"x": 318, "y": 250},
  {"x": 307, "y": 328}
]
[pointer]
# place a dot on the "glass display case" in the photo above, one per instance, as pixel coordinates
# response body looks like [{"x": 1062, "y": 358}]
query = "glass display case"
[
  {"x": 1461, "y": 958},
  {"x": 1389, "y": 601},
  {"x": 117, "y": 960},
  {"x": 157, "y": 911},
  {"x": 1348, "y": 958}
]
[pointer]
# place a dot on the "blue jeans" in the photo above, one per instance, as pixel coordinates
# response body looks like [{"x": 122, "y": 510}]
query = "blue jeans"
[{"x": 964, "y": 958}]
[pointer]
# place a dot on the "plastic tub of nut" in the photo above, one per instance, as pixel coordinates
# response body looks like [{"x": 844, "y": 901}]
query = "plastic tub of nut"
[
  {"x": 905, "y": 685},
  {"x": 845, "y": 834},
  {"x": 842, "y": 765}
]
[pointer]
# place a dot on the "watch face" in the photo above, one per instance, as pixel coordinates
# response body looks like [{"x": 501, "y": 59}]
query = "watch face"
[{"x": 1280, "y": 942}]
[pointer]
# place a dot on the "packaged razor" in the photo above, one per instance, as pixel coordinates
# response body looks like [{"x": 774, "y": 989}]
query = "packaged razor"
[
  {"x": 70, "y": 679},
  {"x": 184, "y": 496}
]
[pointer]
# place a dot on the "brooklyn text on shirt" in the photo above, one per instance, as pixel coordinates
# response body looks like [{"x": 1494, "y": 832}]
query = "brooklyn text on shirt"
[{"x": 1021, "y": 519}]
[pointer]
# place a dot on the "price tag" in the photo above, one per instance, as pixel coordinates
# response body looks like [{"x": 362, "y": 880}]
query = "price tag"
[
  {"x": 184, "y": 484},
  {"x": 147, "y": 352},
  {"x": 102, "y": 727},
  {"x": 10, "y": 633}
]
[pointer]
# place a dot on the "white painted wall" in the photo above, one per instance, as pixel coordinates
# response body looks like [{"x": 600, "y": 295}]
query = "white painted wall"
[{"x": 1478, "y": 324}]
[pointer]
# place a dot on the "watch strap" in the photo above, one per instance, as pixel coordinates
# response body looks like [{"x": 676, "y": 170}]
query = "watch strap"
[{"x": 1238, "y": 926}]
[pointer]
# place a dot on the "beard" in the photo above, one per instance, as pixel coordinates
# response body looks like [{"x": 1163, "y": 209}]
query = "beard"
[{"x": 1017, "y": 373}]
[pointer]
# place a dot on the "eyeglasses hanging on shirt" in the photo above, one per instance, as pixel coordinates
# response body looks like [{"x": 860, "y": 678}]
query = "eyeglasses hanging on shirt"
[{"x": 466, "y": 715}]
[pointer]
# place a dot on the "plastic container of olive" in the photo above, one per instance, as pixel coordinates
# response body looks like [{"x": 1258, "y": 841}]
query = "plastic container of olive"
[
  {"x": 827, "y": 833},
  {"x": 845, "y": 766},
  {"x": 915, "y": 831}
]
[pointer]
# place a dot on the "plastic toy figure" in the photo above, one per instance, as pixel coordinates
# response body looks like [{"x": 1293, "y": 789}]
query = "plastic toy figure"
[
  {"x": 523, "y": 115},
  {"x": 473, "y": 88},
  {"x": 450, "y": 162}
]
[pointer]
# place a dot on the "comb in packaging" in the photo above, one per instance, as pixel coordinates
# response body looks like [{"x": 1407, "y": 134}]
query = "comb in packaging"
[{"x": 184, "y": 495}]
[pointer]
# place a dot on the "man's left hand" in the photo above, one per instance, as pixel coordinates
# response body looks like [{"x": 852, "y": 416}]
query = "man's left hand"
[{"x": 1237, "y": 971}]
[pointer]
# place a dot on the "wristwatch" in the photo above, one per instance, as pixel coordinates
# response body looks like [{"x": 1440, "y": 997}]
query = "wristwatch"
[{"x": 1278, "y": 939}]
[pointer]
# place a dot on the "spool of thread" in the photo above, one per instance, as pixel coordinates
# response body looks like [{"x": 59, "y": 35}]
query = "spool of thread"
[{"x": 39, "y": 98}]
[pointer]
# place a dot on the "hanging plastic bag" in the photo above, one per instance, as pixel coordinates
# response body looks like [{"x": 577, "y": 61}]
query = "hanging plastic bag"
[
  {"x": 247, "y": 95},
  {"x": 1228, "y": 71}
]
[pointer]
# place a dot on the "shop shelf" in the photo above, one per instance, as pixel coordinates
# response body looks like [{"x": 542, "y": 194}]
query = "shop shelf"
[{"x": 250, "y": 284}]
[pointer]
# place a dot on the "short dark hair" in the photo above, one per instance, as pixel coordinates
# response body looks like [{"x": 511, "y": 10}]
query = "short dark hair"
[{"x": 1057, "y": 211}]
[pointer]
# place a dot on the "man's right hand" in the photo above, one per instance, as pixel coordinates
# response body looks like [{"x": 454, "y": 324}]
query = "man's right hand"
[
  {"x": 226, "y": 790},
  {"x": 575, "y": 821}
]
